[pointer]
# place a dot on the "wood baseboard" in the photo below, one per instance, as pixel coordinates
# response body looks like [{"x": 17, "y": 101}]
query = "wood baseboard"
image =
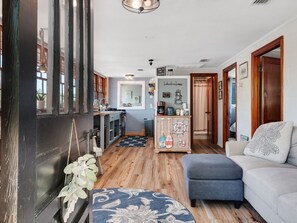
[{"x": 134, "y": 133}]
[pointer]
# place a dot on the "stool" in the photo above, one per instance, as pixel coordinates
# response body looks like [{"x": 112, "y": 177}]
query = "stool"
[{"x": 212, "y": 177}]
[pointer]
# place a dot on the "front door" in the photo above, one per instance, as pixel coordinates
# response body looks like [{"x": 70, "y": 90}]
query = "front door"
[{"x": 271, "y": 90}]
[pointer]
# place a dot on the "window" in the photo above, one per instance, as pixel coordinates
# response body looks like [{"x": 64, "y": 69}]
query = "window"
[{"x": 99, "y": 86}]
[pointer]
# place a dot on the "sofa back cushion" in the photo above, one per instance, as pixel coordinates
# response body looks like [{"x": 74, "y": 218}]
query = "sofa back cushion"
[
  {"x": 292, "y": 157},
  {"x": 271, "y": 141}
]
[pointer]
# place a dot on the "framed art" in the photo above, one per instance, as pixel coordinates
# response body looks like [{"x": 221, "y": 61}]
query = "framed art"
[
  {"x": 220, "y": 85},
  {"x": 243, "y": 70},
  {"x": 166, "y": 94},
  {"x": 220, "y": 95}
]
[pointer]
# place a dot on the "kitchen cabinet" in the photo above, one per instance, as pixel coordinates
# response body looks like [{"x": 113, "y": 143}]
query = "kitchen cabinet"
[
  {"x": 109, "y": 123},
  {"x": 176, "y": 128}
]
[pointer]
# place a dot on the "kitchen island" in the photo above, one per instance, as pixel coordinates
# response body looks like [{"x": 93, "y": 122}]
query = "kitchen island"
[{"x": 109, "y": 124}]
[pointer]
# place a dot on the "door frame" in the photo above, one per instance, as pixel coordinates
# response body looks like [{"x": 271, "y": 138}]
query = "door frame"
[
  {"x": 215, "y": 103},
  {"x": 255, "y": 80},
  {"x": 225, "y": 101}
]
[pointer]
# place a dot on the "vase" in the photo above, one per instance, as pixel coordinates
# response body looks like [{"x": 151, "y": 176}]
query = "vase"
[{"x": 40, "y": 105}]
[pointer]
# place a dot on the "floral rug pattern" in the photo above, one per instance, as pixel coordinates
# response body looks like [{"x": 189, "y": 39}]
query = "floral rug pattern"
[{"x": 125, "y": 205}]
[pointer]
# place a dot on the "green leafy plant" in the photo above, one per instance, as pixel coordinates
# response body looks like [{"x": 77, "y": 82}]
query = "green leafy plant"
[
  {"x": 83, "y": 173},
  {"x": 40, "y": 97}
]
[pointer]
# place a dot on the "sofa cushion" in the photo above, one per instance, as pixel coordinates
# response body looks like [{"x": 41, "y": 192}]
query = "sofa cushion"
[
  {"x": 210, "y": 167},
  {"x": 292, "y": 157},
  {"x": 271, "y": 141},
  {"x": 251, "y": 162},
  {"x": 270, "y": 183},
  {"x": 287, "y": 207}
]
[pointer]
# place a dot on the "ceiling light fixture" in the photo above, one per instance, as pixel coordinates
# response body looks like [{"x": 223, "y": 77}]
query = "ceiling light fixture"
[
  {"x": 42, "y": 68},
  {"x": 141, "y": 6},
  {"x": 129, "y": 76}
]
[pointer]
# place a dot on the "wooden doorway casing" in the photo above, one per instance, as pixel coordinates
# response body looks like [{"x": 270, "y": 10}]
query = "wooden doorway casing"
[
  {"x": 256, "y": 83},
  {"x": 225, "y": 101},
  {"x": 215, "y": 103}
]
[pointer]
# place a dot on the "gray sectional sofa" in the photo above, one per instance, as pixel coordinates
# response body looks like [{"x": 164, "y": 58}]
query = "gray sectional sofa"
[{"x": 270, "y": 187}]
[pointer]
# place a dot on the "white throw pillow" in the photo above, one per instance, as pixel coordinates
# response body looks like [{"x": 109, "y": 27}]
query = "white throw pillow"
[{"x": 271, "y": 141}]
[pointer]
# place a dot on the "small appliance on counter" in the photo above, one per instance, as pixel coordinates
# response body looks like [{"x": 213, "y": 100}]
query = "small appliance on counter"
[
  {"x": 161, "y": 108},
  {"x": 170, "y": 111}
]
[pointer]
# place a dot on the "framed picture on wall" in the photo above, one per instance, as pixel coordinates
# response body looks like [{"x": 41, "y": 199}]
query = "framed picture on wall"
[
  {"x": 220, "y": 85},
  {"x": 220, "y": 95},
  {"x": 243, "y": 70},
  {"x": 166, "y": 94}
]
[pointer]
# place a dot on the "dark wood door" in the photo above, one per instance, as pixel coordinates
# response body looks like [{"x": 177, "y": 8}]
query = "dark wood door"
[
  {"x": 271, "y": 90},
  {"x": 209, "y": 111}
]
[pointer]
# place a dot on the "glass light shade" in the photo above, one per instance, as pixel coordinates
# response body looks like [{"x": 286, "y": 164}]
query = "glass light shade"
[
  {"x": 141, "y": 6},
  {"x": 129, "y": 76},
  {"x": 42, "y": 68}
]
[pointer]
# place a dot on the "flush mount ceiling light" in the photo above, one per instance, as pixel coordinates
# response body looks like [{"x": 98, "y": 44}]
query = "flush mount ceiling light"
[
  {"x": 129, "y": 76},
  {"x": 141, "y": 6}
]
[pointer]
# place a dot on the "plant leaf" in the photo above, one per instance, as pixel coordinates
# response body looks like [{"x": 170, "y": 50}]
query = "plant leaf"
[
  {"x": 68, "y": 169},
  {"x": 81, "y": 194},
  {"x": 91, "y": 175},
  {"x": 64, "y": 192},
  {"x": 81, "y": 181},
  {"x": 91, "y": 161},
  {"x": 88, "y": 156},
  {"x": 93, "y": 167},
  {"x": 90, "y": 185}
]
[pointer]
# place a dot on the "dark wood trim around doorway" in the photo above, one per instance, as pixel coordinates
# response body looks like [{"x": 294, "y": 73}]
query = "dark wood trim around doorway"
[
  {"x": 255, "y": 79},
  {"x": 215, "y": 103},
  {"x": 225, "y": 100}
]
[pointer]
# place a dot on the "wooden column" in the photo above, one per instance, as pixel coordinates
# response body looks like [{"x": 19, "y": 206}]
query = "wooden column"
[
  {"x": 18, "y": 143},
  {"x": 68, "y": 62},
  {"x": 90, "y": 50}
]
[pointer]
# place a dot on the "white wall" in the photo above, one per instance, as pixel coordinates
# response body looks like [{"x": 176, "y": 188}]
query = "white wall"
[{"x": 289, "y": 31}]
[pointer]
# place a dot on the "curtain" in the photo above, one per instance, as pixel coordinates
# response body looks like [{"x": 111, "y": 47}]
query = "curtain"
[{"x": 200, "y": 106}]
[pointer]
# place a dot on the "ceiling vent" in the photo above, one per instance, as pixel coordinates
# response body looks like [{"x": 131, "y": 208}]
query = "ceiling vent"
[{"x": 259, "y": 2}]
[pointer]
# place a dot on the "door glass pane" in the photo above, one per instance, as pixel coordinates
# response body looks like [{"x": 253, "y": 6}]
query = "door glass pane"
[
  {"x": 43, "y": 96},
  {"x": 63, "y": 104}
]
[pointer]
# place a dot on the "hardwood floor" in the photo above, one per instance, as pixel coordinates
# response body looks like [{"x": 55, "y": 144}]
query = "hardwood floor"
[{"x": 163, "y": 172}]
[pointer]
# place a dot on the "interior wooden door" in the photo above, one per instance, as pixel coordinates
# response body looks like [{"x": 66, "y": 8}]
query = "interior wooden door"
[
  {"x": 209, "y": 111},
  {"x": 271, "y": 90}
]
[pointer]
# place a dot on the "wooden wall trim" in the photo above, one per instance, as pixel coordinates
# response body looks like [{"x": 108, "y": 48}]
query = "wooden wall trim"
[
  {"x": 90, "y": 53},
  {"x": 255, "y": 80},
  {"x": 80, "y": 54},
  {"x": 54, "y": 52},
  {"x": 68, "y": 57},
  {"x": 225, "y": 100},
  {"x": 18, "y": 116},
  {"x": 215, "y": 102}
]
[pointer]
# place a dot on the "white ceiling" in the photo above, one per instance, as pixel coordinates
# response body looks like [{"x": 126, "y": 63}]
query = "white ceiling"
[{"x": 180, "y": 33}]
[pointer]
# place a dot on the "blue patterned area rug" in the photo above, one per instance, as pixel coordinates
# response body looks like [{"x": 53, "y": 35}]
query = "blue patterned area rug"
[
  {"x": 133, "y": 141},
  {"x": 123, "y": 205}
]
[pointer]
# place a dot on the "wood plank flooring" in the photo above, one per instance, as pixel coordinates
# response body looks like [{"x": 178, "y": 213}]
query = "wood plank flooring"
[{"x": 163, "y": 172}]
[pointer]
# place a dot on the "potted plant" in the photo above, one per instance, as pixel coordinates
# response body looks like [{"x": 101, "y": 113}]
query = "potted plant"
[
  {"x": 82, "y": 175},
  {"x": 40, "y": 101}
]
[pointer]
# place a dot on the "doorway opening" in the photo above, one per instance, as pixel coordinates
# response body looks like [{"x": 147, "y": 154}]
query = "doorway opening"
[
  {"x": 267, "y": 87},
  {"x": 204, "y": 107},
  {"x": 229, "y": 103}
]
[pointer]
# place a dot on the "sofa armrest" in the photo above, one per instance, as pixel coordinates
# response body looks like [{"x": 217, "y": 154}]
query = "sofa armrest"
[{"x": 234, "y": 148}]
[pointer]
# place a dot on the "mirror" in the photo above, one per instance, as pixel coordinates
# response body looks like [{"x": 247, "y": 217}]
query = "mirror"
[{"x": 131, "y": 95}]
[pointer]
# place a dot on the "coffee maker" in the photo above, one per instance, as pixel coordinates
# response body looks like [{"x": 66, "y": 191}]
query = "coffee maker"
[{"x": 161, "y": 108}]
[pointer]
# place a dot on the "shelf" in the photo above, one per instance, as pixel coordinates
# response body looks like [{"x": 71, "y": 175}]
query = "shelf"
[{"x": 178, "y": 150}]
